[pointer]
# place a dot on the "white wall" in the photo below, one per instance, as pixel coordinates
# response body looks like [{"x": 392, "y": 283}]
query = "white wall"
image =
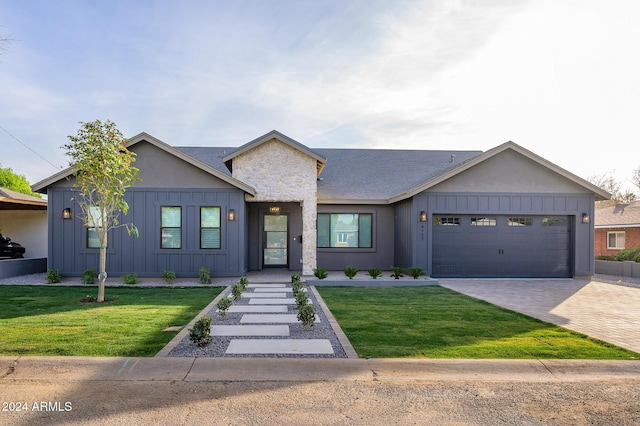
[{"x": 27, "y": 227}]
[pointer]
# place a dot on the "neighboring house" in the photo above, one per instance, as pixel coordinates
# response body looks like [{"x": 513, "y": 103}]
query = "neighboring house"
[
  {"x": 617, "y": 228},
  {"x": 275, "y": 203},
  {"x": 23, "y": 218}
]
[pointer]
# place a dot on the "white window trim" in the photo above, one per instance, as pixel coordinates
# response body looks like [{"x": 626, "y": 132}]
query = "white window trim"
[{"x": 617, "y": 234}]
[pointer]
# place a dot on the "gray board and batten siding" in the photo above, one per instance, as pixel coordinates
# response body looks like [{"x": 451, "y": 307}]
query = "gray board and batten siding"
[{"x": 166, "y": 182}]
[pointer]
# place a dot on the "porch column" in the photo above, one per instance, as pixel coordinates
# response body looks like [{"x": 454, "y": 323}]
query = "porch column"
[{"x": 309, "y": 217}]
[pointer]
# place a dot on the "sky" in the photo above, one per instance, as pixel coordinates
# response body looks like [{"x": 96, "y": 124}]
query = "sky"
[{"x": 560, "y": 78}]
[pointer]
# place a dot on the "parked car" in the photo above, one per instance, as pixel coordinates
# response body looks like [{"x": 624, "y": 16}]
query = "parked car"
[{"x": 10, "y": 249}]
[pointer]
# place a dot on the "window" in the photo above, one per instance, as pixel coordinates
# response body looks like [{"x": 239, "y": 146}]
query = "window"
[
  {"x": 554, "y": 221},
  {"x": 483, "y": 221},
  {"x": 447, "y": 221},
  {"x": 519, "y": 221},
  {"x": 615, "y": 240},
  {"x": 209, "y": 227},
  {"x": 171, "y": 228},
  {"x": 92, "y": 220},
  {"x": 352, "y": 230}
]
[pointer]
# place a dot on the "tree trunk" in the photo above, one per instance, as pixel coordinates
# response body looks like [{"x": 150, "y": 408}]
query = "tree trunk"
[{"x": 102, "y": 275}]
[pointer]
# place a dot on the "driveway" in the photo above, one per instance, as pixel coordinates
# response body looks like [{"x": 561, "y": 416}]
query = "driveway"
[{"x": 608, "y": 312}]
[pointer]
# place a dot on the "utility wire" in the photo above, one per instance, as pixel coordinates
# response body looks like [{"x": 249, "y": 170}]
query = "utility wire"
[{"x": 29, "y": 148}]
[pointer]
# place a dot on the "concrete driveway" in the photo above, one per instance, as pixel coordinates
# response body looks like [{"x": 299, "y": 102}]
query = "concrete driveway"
[{"x": 604, "y": 311}]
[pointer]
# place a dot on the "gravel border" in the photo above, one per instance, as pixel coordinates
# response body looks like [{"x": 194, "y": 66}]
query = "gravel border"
[{"x": 219, "y": 344}]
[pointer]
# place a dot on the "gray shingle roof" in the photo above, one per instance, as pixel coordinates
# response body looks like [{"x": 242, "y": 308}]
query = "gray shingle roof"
[
  {"x": 618, "y": 215},
  {"x": 362, "y": 174}
]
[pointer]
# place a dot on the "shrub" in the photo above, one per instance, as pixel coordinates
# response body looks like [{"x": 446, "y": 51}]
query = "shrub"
[
  {"x": 351, "y": 272},
  {"x": 223, "y": 306},
  {"x": 416, "y": 272},
  {"x": 296, "y": 286},
  {"x": 168, "y": 276},
  {"x": 236, "y": 291},
  {"x": 53, "y": 276},
  {"x": 307, "y": 315},
  {"x": 629, "y": 254},
  {"x": 205, "y": 275},
  {"x": 200, "y": 334},
  {"x": 611, "y": 257},
  {"x": 294, "y": 278},
  {"x": 89, "y": 276},
  {"x": 374, "y": 272},
  {"x": 243, "y": 282},
  {"x": 301, "y": 299},
  {"x": 320, "y": 273},
  {"x": 130, "y": 278},
  {"x": 397, "y": 272}
]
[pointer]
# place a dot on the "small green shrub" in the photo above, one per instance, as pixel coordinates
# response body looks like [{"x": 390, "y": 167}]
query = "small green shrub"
[
  {"x": 130, "y": 278},
  {"x": 416, "y": 272},
  {"x": 243, "y": 283},
  {"x": 301, "y": 299},
  {"x": 307, "y": 315},
  {"x": 89, "y": 276},
  {"x": 236, "y": 291},
  {"x": 374, "y": 272},
  {"x": 397, "y": 272},
  {"x": 296, "y": 287},
  {"x": 168, "y": 276},
  {"x": 53, "y": 276},
  {"x": 295, "y": 277},
  {"x": 205, "y": 275},
  {"x": 351, "y": 272},
  {"x": 611, "y": 257},
  {"x": 200, "y": 334},
  {"x": 223, "y": 306},
  {"x": 629, "y": 254},
  {"x": 320, "y": 273}
]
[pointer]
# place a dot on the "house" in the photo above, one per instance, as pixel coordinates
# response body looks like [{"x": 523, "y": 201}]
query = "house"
[
  {"x": 276, "y": 203},
  {"x": 617, "y": 227}
]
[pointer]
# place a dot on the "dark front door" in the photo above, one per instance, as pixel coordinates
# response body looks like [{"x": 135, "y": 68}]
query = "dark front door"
[{"x": 275, "y": 241}]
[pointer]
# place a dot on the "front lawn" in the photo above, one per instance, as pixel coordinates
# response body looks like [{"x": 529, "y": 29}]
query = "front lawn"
[
  {"x": 40, "y": 320},
  {"x": 434, "y": 322}
]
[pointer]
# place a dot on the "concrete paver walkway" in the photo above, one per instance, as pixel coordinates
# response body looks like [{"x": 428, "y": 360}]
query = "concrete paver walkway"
[{"x": 603, "y": 311}]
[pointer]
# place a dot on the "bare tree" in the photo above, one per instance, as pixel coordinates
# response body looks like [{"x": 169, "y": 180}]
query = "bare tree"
[{"x": 635, "y": 178}]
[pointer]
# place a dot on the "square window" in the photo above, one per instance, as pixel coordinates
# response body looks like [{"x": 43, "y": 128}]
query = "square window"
[{"x": 615, "y": 240}]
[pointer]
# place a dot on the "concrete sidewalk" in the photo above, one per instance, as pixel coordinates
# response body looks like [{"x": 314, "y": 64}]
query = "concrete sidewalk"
[{"x": 304, "y": 370}]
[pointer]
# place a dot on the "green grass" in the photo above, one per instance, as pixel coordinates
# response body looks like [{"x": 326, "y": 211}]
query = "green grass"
[
  {"x": 40, "y": 320},
  {"x": 434, "y": 322}
]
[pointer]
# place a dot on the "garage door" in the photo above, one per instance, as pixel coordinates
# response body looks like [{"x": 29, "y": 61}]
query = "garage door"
[{"x": 501, "y": 246}]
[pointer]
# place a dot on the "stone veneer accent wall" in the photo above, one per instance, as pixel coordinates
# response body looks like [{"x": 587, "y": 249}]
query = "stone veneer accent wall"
[{"x": 280, "y": 173}]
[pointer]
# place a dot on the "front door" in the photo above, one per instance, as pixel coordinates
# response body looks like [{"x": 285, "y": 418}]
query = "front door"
[{"x": 275, "y": 241}]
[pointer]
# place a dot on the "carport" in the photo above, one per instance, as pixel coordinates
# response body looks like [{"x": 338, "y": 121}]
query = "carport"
[{"x": 23, "y": 218}]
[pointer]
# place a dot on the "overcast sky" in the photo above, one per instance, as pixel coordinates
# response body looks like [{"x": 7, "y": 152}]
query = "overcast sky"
[{"x": 561, "y": 78}]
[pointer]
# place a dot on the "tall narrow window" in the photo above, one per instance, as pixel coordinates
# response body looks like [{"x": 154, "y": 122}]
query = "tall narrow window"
[
  {"x": 92, "y": 220},
  {"x": 209, "y": 227},
  {"x": 353, "y": 230},
  {"x": 171, "y": 231}
]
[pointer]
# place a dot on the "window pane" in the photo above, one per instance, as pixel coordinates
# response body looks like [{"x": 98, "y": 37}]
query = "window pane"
[
  {"x": 365, "y": 227},
  {"x": 344, "y": 230},
  {"x": 483, "y": 221},
  {"x": 210, "y": 217},
  {"x": 92, "y": 238},
  {"x": 275, "y": 223},
  {"x": 171, "y": 217},
  {"x": 171, "y": 238},
  {"x": 323, "y": 230},
  {"x": 210, "y": 238}
]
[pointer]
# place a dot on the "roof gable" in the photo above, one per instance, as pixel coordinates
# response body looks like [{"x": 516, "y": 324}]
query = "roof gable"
[
  {"x": 274, "y": 134},
  {"x": 600, "y": 194},
  {"x": 144, "y": 137}
]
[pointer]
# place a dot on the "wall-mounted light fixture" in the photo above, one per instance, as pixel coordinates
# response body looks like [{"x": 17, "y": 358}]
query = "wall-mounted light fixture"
[
  {"x": 585, "y": 218},
  {"x": 66, "y": 213},
  {"x": 423, "y": 216},
  {"x": 232, "y": 215}
]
